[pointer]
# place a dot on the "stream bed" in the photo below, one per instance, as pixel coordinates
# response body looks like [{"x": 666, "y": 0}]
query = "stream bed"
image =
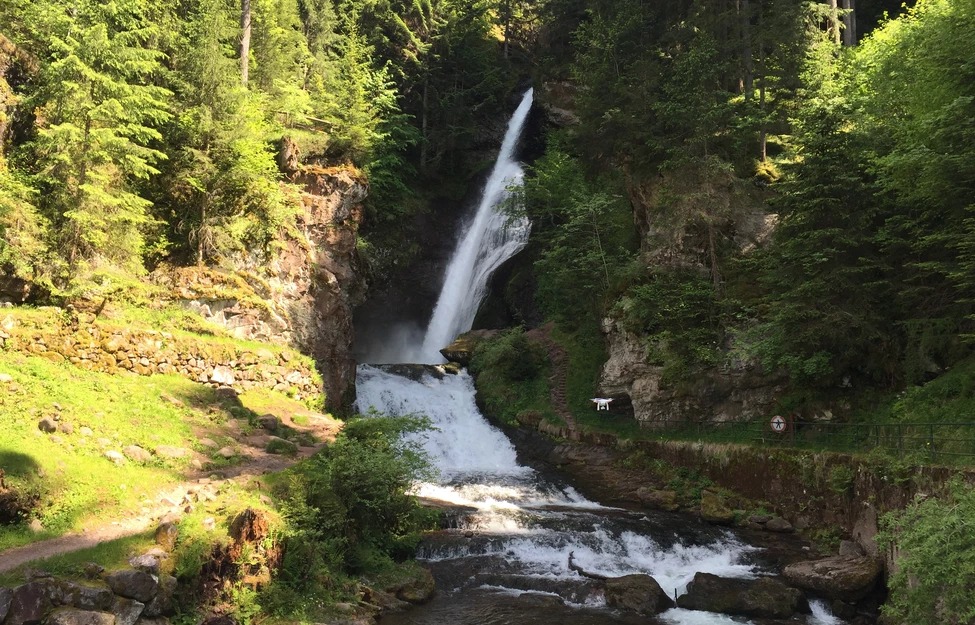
[{"x": 519, "y": 536}]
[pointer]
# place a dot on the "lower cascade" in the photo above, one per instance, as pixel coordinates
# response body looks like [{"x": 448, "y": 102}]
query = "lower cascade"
[{"x": 524, "y": 546}]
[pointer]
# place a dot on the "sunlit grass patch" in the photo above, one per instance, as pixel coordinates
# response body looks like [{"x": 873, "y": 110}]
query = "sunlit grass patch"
[{"x": 70, "y": 472}]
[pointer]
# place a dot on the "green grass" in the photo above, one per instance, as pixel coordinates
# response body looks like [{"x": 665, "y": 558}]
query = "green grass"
[
  {"x": 111, "y": 554},
  {"x": 76, "y": 484},
  {"x": 512, "y": 378},
  {"x": 264, "y": 401}
]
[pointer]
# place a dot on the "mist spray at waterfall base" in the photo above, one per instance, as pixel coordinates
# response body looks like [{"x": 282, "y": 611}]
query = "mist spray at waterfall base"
[{"x": 506, "y": 558}]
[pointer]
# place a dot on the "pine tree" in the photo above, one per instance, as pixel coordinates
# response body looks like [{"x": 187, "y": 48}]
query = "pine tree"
[{"x": 96, "y": 130}]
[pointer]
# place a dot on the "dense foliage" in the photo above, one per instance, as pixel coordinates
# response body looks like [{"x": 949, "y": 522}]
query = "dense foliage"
[
  {"x": 135, "y": 131},
  {"x": 695, "y": 115},
  {"x": 350, "y": 508},
  {"x": 936, "y": 563}
]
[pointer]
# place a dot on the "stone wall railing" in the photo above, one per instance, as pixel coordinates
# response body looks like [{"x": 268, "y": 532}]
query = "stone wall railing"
[{"x": 100, "y": 347}]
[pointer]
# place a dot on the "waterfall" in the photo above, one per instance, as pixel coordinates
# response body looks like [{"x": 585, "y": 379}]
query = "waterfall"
[
  {"x": 517, "y": 529},
  {"x": 492, "y": 237}
]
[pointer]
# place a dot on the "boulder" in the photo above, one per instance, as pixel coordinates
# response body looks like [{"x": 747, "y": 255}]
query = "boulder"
[
  {"x": 462, "y": 349},
  {"x": 136, "y": 453},
  {"x": 277, "y": 445},
  {"x": 714, "y": 509},
  {"x": 164, "y": 603},
  {"x": 639, "y": 593},
  {"x": 126, "y": 611},
  {"x": 269, "y": 422},
  {"x": 850, "y": 548},
  {"x": 848, "y": 578},
  {"x": 778, "y": 524},
  {"x": 168, "y": 451},
  {"x": 115, "y": 457},
  {"x": 74, "y": 616},
  {"x": 6, "y": 596},
  {"x": 658, "y": 499},
  {"x": 145, "y": 562},
  {"x": 386, "y": 602},
  {"x": 133, "y": 584},
  {"x": 30, "y": 602},
  {"x": 85, "y": 597},
  {"x": 222, "y": 375},
  {"x": 166, "y": 535},
  {"x": 47, "y": 425},
  {"x": 764, "y": 597},
  {"x": 419, "y": 589}
]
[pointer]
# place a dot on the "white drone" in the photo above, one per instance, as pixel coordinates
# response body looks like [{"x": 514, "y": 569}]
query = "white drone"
[{"x": 602, "y": 403}]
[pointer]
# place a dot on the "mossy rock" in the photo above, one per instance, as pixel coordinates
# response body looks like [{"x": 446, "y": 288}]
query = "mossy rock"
[
  {"x": 280, "y": 446},
  {"x": 715, "y": 510}
]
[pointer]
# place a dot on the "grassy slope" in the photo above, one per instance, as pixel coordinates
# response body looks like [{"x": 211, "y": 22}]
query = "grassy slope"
[{"x": 75, "y": 483}]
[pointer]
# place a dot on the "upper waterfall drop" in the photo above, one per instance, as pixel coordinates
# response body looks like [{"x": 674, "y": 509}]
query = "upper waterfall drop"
[{"x": 492, "y": 237}]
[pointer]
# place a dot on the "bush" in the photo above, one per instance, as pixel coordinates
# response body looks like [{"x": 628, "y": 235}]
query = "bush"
[
  {"x": 932, "y": 583},
  {"x": 355, "y": 495},
  {"x": 510, "y": 355}
]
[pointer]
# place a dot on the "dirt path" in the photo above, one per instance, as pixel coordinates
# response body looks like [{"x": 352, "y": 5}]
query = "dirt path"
[
  {"x": 172, "y": 502},
  {"x": 558, "y": 380}
]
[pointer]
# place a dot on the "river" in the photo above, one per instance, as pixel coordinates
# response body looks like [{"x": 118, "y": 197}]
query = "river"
[{"x": 505, "y": 558}]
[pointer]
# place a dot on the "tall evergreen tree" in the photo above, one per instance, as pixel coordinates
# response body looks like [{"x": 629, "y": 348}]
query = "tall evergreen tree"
[{"x": 97, "y": 127}]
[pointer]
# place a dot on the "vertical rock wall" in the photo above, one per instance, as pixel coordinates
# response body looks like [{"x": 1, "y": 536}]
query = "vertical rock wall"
[{"x": 302, "y": 293}]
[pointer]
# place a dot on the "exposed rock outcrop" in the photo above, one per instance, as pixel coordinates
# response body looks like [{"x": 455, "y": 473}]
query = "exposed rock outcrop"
[
  {"x": 304, "y": 294},
  {"x": 847, "y": 578},
  {"x": 638, "y": 592},
  {"x": 680, "y": 216},
  {"x": 762, "y": 598},
  {"x": 736, "y": 392},
  {"x": 462, "y": 349}
]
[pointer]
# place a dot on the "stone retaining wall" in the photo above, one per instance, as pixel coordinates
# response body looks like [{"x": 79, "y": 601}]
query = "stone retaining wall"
[{"x": 101, "y": 347}]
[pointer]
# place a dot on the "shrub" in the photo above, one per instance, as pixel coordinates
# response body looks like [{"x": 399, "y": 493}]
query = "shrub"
[
  {"x": 511, "y": 355},
  {"x": 932, "y": 583}
]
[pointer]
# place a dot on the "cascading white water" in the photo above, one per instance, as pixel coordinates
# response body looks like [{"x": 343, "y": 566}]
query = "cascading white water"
[
  {"x": 522, "y": 527},
  {"x": 492, "y": 237},
  {"x": 534, "y": 523}
]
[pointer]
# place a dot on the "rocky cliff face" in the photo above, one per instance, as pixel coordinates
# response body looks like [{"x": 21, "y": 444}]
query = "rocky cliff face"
[
  {"x": 736, "y": 392},
  {"x": 304, "y": 293},
  {"x": 690, "y": 219}
]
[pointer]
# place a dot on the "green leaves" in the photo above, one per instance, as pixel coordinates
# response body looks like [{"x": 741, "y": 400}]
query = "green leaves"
[
  {"x": 935, "y": 543},
  {"x": 585, "y": 234},
  {"x": 96, "y": 132}
]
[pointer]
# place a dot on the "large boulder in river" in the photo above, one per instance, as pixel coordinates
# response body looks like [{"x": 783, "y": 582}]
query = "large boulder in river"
[
  {"x": 638, "y": 592},
  {"x": 418, "y": 589},
  {"x": 715, "y": 510},
  {"x": 462, "y": 349},
  {"x": 848, "y": 578},
  {"x": 760, "y": 598}
]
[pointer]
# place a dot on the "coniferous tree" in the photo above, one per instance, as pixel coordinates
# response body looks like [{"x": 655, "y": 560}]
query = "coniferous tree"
[{"x": 97, "y": 127}]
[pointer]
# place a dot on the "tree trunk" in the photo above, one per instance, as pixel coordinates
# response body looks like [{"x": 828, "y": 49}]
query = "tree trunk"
[
  {"x": 424, "y": 141},
  {"x": 507, "y": 25},
  {"x": 849, "y": 23},
  {"x": 763, "y": 127},
  {"x": 746, "y": 52},
  {"x": 200, "y": 234},
  {"x": 834, "y": 21},
  {"x": 245, "y": 39}
]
